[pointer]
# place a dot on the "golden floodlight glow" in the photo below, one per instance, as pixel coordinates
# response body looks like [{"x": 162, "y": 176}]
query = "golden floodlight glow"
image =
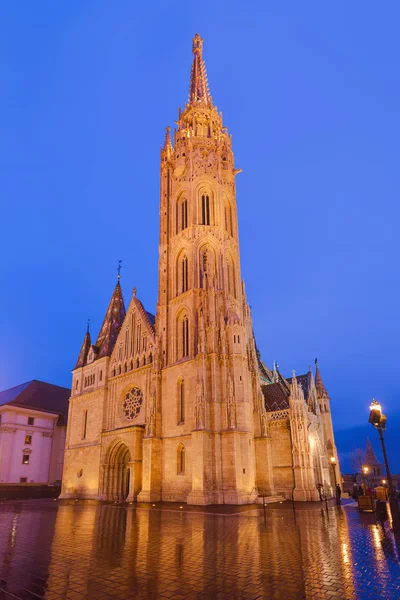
[
  {"x": 365, "y": 469},
  {"x": 333, "y": 460}
]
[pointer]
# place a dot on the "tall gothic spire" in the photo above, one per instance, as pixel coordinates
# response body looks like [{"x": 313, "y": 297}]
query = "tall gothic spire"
[
  {"x": 112, "y": 323},
  {"x": 319, "y": 384},
  {"x": 198, "y": 91}
]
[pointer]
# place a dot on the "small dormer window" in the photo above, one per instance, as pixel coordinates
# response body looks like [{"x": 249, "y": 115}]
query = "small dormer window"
[{"x": 31, "y": 421}]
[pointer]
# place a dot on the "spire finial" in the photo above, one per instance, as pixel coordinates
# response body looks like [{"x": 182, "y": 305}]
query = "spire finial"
[
  {"x": 167, "y": 148},
  {"x": 88, "y": 326},
  {"x": 198, "y": 91},
  {"x": 119, "y": 269}
]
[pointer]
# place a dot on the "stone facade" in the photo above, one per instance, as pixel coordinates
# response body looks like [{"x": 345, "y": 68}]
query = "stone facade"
[{"x": 171, "y": 408}]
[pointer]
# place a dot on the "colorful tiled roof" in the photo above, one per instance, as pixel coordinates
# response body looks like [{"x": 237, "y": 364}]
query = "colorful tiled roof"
[
  {"x": 276, "y": 397},
  {"x": 112, "y": 323}
]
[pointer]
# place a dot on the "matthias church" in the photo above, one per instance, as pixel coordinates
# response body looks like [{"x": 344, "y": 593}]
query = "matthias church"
[{"x": 179, "y": 406}]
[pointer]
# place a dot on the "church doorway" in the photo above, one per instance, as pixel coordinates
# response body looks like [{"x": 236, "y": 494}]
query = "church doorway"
[{"x": 117, "y": 473}]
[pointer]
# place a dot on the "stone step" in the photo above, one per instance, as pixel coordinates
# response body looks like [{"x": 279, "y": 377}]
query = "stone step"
[{"x": 269, "y": 499}]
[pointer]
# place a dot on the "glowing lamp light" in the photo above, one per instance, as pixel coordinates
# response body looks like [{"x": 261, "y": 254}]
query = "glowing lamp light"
[
  {"x": 375, "y": 413},
  {"x": 365, "y": 470},
  {"x": 333, "y": 460},
  {"x": 383, "y": 481}
]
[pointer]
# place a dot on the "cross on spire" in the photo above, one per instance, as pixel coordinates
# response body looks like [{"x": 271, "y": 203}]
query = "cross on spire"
[
  {"x": 119, "y": 269},
  {"x": 88, "y": 326}
]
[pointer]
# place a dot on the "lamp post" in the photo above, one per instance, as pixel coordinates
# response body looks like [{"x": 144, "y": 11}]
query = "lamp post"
[
  {"x": 333, "y": 463},
  {"x": 378, "y": 420}
]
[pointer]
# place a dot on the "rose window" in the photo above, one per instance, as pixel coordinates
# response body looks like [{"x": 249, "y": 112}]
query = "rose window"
[{"x": 132, "y": 403}]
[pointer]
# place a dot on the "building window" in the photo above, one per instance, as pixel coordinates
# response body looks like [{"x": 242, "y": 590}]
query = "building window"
[
  {"x": 28, "y": 439},
  {"x": 25, "y": 459},
  {"x": 181, "y": 216},
  {"x": 231, "y": 278},
  {"x": 101, "y": 376},
  {"x": 31, "y": 421},
  {"x": 184, "y": 274},
  {"x": 84, "y": 424},
  {"x": 23, "y": 479},
  {"x": 185, "y": 337},
  {"x": 181, "y": 460},
  {"x": 76, "y": 384},
  {"x": 205, "y": 209},
  {"x": 228, "y": 219},
  {"x": 181, "y": 402}
]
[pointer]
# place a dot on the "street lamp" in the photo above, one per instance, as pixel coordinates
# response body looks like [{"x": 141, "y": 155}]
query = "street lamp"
[{"x": 378, "y": 420}]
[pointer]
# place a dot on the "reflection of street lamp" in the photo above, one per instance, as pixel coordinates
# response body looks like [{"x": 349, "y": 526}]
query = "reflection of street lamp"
[
  {"x": 365, "y": 473},
  {"x": 333, "y": 463},
  {"x": 378, "y": 420}
]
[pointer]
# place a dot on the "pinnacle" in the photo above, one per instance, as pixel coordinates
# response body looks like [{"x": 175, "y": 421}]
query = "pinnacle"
[{"x": 198, "y": 91}]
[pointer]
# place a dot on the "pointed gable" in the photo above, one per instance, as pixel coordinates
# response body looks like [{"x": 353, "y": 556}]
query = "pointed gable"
[
  {"x": 370, "y": 456},
  {"x": 112, "y": 323},
  {"x": 82, "y": 358}
]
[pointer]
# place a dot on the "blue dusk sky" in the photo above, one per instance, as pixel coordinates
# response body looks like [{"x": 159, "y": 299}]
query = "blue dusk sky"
[{"x": 310, "y": 92}]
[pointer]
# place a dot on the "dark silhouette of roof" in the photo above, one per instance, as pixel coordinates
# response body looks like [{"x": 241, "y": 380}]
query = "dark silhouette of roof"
[
  {"x": 39, "y": 395},
  {"x": 370, "y": 456}
]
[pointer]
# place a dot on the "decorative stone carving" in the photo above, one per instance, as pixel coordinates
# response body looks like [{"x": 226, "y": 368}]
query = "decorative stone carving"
[
  {"x": 200, "y": 404},
  {"x": 151, "y": 425},
  {"x": 231, "y": 402}
]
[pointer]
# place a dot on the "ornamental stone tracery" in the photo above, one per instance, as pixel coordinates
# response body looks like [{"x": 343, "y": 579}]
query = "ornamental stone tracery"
[{"x": 132, "y": 403}]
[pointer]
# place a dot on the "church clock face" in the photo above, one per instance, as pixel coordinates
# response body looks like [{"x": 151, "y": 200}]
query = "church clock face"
[{"x": 132, "y": 403}]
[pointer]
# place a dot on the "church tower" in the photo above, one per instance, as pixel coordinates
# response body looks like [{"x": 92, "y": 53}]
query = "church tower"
[{"x": 207, "y": 380}]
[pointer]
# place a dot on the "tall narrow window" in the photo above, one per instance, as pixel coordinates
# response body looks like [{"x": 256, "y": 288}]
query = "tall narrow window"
[
  {"x": 205, "y": 209},
  {"x": 231, "y": 278},
  {"x": 181, "y": 460},
  {"x": 84, "y": 424},
  {"x": 185, "y": 337},
  {"x": 184, "y": 274},
  {"x": 181, "y": 402},
  {"x": 184, "y": 214},
  {"x": 228, "y": 219}
]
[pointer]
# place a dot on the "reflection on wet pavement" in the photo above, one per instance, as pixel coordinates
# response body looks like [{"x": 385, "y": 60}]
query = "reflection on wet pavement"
[{"x": 53, "y": 551}]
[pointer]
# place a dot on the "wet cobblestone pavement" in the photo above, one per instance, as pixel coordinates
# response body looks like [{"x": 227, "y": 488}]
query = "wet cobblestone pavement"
[{"x": 72, "y": 551}]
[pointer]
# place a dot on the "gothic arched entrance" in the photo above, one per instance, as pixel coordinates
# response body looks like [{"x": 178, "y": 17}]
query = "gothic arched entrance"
[{"x": 116, "y": 473}]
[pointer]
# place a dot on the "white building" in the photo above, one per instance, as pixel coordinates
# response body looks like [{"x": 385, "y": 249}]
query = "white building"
[{"x": 33, "y": 423}]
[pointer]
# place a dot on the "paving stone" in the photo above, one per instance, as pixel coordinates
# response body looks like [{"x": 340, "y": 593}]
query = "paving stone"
[{"x": 52, "y": 550}]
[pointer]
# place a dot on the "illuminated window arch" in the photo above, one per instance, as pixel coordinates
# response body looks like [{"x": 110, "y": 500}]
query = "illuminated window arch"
[
  {"x": 180, "y": 460},
  {"x": 181, "y": 214},
  {"x": 228, "y": 217},
  {"x": 181, "y": 402},
  {"x": 183, "y": 336},
  {"x": 230, "y": 275},
  {"x": 205, "y": 208}
]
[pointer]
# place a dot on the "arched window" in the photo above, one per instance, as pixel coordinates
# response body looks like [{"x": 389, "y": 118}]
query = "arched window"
[
  {"x": 228, "y": 218},
  {"x": 181, "y": 216},
  {"x": 184, "y": 274},
  {"x": 180, "y": 467},
  {"x": 76, "y": 384},
  {"x": 84, "y": 424},
  {"x": 185, "y": 337},
  {"x": 181, "y": 402},
  {"x": 230, "y": 278},
  {"x": 205, "y": 209}
]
